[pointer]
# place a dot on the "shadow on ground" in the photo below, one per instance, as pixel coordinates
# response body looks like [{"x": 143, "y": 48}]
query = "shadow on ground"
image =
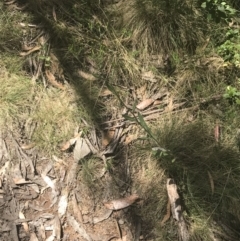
[{"x": 206, "y": 171}]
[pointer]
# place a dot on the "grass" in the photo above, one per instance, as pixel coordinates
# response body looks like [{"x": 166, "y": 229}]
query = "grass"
[
  {"x": 14, "y": 98},
  {"x": 47, "y": 116},
  {"x": 56, "y": 118},
  {"x": 163, "y": 26},
  {"x": 196, "y": 155},
  {"x": 120, "y": 43}
]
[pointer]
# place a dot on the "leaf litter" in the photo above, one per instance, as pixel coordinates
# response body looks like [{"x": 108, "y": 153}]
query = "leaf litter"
[
  {"x": 49, "y": 186},
  {"x": 41, "y": 200}
]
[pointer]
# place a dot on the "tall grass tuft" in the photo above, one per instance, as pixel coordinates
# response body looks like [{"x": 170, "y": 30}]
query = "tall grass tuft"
[{"x": 164, "y": 25}]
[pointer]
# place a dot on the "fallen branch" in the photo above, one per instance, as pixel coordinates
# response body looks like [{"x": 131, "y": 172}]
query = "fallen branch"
[{"x": 176, "y": 209}]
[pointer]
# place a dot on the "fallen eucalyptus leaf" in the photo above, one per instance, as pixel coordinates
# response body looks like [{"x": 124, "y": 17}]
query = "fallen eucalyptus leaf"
[
  {"x": 121, "y": 203},
  {"x": 63, "y": 203},
  {"x": 144, "y": 104},
  {"x": 167, "y": 215},
  {"x": 107, "y": 137},
  {"x": 103, "y": 217},
  {"x": 86, "y": 76},
  {"x": 36, "y": 48},
  {"x": 78, "y": 228},
  {"x": 24, "y": 224},
  {"x": 48, "y": 181},
  {"x": 105, "y": 92},
  {"x": 28, "y": 146},
  {"x": 19, "y": 181},
  {"x": 81, "y": 149},
  {"x": 57, "y": 228},
  {"x": 76, "y": 209},
  {"x": 52, "y": 80}
]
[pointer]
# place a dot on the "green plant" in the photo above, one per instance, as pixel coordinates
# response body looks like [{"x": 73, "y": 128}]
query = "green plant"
[
  {"x": 232, "y": 94},
  {"x": 46, "y": 59},
  {"x": 218, "y": 10},
  {"x": 230, "y": 49}
]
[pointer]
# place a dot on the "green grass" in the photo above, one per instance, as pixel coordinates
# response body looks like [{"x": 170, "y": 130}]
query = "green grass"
[
  {"x": 57, "y": 116},
  {"x": 196, "y": 153},
  {"x": 14, "y": 97}
]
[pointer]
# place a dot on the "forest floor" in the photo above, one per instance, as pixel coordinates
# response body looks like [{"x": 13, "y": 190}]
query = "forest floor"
[{"x": 79, "y": 161}]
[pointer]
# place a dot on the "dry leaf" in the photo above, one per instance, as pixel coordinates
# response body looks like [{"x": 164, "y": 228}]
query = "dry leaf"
[
  {"x": 41, "y": 230},
  {"x": 57, "y": 228},
  {"x": 107, "y": 137},
  {"x": 78, "y": 228},
  {"x": 63, "y": 203},
  {"x": 217, "y": 132},
  {"x": 54, "y": 14},
  {"x": 24, "y": 224},
  {"x": 66, "y": 146},
  {"x": 121, "y": 203},
  {"x": 81, "y": 149},
  {"x": 36, "y": 48},
  {"x": 27, "y": 146},
  {"x": 34, "y": 187},
  {"x": 211, "y": 181},
  {"x": 48, "y": 181},
  {"x": 71, "y": 142},
  {"x": 106, "y": 92},
  {"x": 103, "y": 217},
  {"x": 157, "y": 102},
  {"x": 144, "y": 104},
  {"x": 20, "y": 181},
  {"x": 87, "y": 76},
  {"x": 10, "y": 2},
  {"x": 26, "y": 48},
  {"x": 53, "y": 81},
  {"x": 168, "y": 213},
  {"x": 76, "y": 209}
]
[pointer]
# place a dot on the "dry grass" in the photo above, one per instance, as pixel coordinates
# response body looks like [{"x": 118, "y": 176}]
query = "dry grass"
[
  {"x": 14, "y": 98},
  {"x": 120, "y": 56},
  {"x": 56, "y": 118},
  {"x": 162, "y": 26},
  {"x": 197, "y": 154}
]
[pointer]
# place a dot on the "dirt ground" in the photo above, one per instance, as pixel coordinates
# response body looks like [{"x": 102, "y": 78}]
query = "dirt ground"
[{"x": 44, "y": 199}]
